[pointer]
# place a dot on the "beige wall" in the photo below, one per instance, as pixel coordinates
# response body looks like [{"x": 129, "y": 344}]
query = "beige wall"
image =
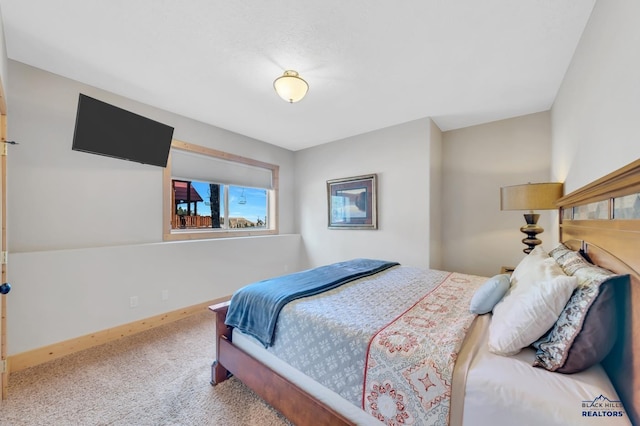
[
  {"x": 596, "y": 115},
  {"x": 478, "y": 238},
  {"x": 78, "y": 190},
  {"x": 85, "y": 231},
  {"x": 435, "y": 194},
  {"x": 3, "y": 56},
  {"x": 591, "y": 130},
  {"x": 400, "y": 155}
]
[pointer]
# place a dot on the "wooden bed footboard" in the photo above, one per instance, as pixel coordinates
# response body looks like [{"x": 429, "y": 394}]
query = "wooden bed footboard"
[
  {"x": 218, "y": 373},
  {"x": 293, "y": 402}
]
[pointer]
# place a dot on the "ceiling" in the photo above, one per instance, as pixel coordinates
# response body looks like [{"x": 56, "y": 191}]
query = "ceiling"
[{"x": 369, "y": 63}]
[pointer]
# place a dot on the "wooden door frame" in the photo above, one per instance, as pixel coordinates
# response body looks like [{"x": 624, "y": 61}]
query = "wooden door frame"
[{"x": 4, "y": 371}]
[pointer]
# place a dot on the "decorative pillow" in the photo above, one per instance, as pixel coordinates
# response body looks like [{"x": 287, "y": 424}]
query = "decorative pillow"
[
  {"x": 569, "y": 260},
  {"x": 539, "y": 290},
  {"x": 490, "y": 293},
  {"x": 586, "y": 329}
]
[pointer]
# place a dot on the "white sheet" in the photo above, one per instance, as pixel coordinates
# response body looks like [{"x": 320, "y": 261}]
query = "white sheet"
[
  {"x": 320, "y": 392},
  {"x": 509, "y": 391},
  {"x": 499, "y": 390}
]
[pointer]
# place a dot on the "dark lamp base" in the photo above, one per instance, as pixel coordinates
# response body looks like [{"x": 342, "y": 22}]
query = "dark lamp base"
[{"x": 532, "y": 230}]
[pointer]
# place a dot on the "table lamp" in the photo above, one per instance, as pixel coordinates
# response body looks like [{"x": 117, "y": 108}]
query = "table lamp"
[{"x": 531, "y": 196}]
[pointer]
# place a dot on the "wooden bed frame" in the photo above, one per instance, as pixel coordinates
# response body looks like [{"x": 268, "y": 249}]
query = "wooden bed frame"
[{"x": 612, "y": 244}]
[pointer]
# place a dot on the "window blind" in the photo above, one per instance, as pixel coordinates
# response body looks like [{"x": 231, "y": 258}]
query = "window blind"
[{"x": 191, "y": 166}]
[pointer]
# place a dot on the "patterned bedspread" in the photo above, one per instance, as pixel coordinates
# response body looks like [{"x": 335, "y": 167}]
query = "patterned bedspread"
[
  {"x": 410, "y": 363},
  {"x": 254, "y": 308},
  {"x": 375, "y": 325}
]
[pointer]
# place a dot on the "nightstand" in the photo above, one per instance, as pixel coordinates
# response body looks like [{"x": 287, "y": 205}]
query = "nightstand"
[{"x": 507, "y": 270}]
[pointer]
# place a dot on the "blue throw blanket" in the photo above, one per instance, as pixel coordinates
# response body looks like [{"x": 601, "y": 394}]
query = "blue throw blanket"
[{"x": 254, "y": 309}]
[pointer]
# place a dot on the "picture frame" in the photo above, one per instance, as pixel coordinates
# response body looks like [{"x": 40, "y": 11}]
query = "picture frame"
[{"x": 352, "y": 202}]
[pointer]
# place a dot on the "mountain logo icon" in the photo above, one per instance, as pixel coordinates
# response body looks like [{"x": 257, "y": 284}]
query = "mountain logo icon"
[{"x": 602, "y": 402}]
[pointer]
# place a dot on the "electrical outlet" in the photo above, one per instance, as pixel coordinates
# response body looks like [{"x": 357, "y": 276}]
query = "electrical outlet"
[
  {"x": 133, "y": 301},
  {"x": 165, "y": 294}
]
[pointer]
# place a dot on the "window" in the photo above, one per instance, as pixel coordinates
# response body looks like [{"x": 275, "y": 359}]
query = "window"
[{"x": 213, "y": 194}]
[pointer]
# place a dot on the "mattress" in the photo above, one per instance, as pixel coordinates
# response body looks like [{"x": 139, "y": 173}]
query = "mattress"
[
  {"x": 323, "y": 394},
  {"x": 498, "y": 391},
  {"x": 508, "y": 390}
]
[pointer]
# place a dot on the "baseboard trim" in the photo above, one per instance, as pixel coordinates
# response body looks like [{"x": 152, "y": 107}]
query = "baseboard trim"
[{"x": 38, "y": 356}]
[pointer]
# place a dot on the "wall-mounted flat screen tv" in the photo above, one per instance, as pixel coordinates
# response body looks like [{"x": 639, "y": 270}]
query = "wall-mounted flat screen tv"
[{"x": 105, "y": 129}]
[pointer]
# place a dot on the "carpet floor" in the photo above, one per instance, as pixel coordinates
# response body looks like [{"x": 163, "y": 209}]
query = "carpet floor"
[{"x": 157, "y": 377}]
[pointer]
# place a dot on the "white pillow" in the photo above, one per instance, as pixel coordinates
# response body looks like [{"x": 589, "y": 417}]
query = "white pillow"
[{"x": 538, "y": 293}]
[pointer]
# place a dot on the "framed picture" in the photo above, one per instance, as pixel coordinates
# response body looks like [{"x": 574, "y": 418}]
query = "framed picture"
[{"x": 352, "y": 203}]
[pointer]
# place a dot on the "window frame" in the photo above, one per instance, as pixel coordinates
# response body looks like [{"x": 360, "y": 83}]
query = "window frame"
[{"x": 170, "y": 234}]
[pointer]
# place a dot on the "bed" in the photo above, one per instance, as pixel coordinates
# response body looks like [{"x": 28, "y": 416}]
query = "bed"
[{"x": 480, "y": 386}]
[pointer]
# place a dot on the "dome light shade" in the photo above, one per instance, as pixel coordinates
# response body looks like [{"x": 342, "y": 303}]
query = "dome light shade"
[{"x": 290, "y": 87}]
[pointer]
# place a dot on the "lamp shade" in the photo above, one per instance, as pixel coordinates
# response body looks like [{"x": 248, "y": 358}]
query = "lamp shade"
[
  {"x": 290, "y": 87},
  {"x": 530, "y": 196}
]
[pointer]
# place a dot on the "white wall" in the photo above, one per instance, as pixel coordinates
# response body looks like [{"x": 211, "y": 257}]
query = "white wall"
[
  {"x": 400, "y": 156},
  {"x": 85, "y": 231},
  {"x": 64, "y": 199},
  {"x": 61, "y": 294},
  {"x": 595, "y": 118},
  {"x": 478, "y": 238},
  {"x": 594, "y": 129},
  {"x": 435, "y": 205},
  {"x": 3, "y": 55}
]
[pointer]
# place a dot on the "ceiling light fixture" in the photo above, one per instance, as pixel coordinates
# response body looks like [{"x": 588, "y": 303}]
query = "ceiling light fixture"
[{"x": 290, "y": 87}]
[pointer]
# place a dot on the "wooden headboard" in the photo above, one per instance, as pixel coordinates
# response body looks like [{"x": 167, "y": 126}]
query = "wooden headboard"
[{"x": 603, "y": 218}]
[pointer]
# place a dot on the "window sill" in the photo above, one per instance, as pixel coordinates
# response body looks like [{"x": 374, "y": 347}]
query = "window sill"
[{"x": 191, "y": 234}]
